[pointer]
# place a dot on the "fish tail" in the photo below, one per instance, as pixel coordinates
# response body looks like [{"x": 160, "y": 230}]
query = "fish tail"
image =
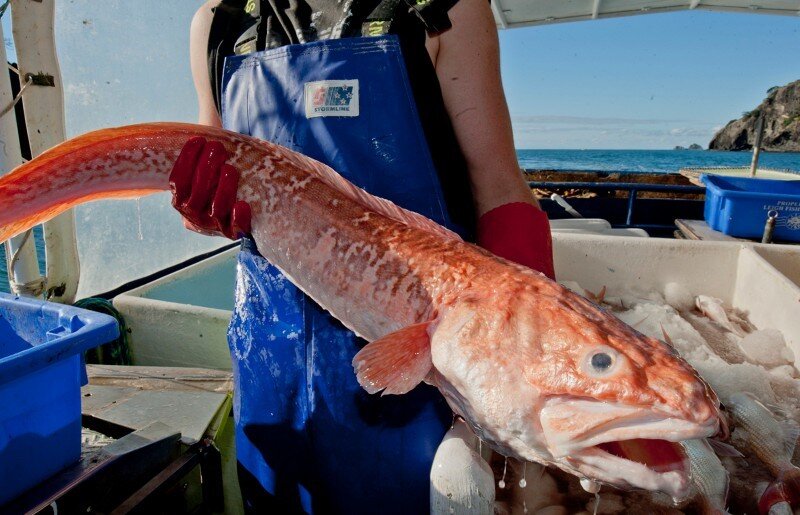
[{"x": 124, "y": 162}]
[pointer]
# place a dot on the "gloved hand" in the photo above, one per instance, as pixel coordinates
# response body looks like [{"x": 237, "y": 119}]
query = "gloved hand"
[
  {"x": 519, "y": 232},
  {"x": 204, "y": 190}
]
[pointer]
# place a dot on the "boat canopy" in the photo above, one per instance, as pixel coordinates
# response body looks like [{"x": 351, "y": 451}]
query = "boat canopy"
[{"x": 510, "y": 14}]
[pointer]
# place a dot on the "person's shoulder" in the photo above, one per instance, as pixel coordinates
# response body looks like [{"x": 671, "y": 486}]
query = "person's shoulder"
[{"x": 201, "y": 21}]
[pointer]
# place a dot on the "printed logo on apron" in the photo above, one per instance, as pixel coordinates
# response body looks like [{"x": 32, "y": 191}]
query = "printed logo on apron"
[{"x": 331, "y": 98}]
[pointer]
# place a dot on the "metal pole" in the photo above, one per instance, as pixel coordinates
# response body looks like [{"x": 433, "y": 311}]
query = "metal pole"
[
  {"x": 769, "y": 227},
  {"x": 44, "y": 116},
  {"x": 631, "y": 203},
  {"x": 757, "y": 144},
  {"x": 24, "y": 275}
]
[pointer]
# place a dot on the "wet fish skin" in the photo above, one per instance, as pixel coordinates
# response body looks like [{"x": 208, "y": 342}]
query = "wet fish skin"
[
  {"x": 709, "y": 476},
  {"x": 773, "y": 443},
  {"x": 539, "y": 373}
]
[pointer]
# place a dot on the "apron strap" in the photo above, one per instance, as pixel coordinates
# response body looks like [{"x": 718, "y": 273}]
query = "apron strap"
[
  {"x": 230, "y": 17},
  {"x": 253, "y": 38},
  {"x": 432, "y": 14},
  {"x": 380, "y": 20}
]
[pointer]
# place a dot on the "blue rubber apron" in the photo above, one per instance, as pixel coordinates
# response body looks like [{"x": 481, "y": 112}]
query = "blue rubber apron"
[{"x": 305, "y": 430}]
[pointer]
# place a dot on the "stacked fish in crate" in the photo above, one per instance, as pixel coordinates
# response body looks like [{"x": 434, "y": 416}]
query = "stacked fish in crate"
[{"x": 732, "y": 310}]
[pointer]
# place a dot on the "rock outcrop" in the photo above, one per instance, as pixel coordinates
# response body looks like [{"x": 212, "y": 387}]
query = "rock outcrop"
[{"x": 781, "y": 110}]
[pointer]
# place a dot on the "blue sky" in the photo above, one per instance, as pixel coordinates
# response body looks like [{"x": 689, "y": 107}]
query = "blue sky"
[{"x": 652, "y": 81}]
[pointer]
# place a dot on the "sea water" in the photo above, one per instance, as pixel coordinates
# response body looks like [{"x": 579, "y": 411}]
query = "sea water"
[{"x": 658, "y": 161}]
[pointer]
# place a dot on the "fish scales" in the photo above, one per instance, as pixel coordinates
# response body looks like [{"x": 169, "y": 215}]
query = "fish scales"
[
  {"x": 538, "y": 372},
  {"x": 294, "y": 213}
]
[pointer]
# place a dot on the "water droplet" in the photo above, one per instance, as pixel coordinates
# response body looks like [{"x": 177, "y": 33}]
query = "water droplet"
[
  {"x": 502, "y": 483},
  {"x": 525, "y": 506},
  {"x": 590, "y": 486},
  {"x": 139, "y": 218},
  {"x": 522, "y": 482},
  {"x": 596, "y": 502},
  {"x": 453, "y": 510}
]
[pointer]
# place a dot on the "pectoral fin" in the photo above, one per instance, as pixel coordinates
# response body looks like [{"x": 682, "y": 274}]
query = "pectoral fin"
[
  {"x": 724, "y": 449},
  {"x": 395, "y": 363}
]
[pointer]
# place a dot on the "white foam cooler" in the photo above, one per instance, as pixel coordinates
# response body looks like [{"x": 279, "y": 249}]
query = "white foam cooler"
[{"x": 761, "y": 280}]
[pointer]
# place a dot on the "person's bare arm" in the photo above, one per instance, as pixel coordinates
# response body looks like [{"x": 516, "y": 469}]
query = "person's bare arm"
[
  {"x": 190, "y": 162},
  {"x": 198, "y": 44},
  {"x": 468, "y": 67}
]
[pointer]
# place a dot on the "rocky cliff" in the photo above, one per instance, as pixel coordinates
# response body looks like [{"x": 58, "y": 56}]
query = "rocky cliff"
[{"x": 781, "y": 109}]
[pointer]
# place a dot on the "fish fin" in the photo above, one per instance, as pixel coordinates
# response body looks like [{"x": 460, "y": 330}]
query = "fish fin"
[
  {"x": 598, "y": 297},
  {"x": 792, "y": 432},
  {"x": 666, "y": 336},
  {"x": 640, "y": 322},
  {"x": 776, "y": 410},
  {"x": 601, "y": 295},
  {"x": 380, "y": 205},
  {"x": 724, "y": 449},
  {"x": 790, "y": 428},
  {"x": 395, "y": 363}
]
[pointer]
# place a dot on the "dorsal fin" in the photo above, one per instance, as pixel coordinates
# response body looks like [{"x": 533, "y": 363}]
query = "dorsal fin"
[{"x": 380, "y": 205}]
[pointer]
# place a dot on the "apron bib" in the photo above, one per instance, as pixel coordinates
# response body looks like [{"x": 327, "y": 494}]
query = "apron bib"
[{"x": 306, "y": 432}]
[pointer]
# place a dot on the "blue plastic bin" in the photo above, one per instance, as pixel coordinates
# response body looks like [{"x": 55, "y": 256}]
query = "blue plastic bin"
[
  {"x": 739, "y": 206},
  {"x": 41, "y": 345}
]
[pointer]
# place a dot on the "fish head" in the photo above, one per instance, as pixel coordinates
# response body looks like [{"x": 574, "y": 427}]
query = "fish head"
[
  {"x": 581, "y": 390},
  {"x": 615, "y": 403}
]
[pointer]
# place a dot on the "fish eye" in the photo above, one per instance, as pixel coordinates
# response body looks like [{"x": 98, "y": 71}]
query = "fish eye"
[{"x": 600, "y": 361}]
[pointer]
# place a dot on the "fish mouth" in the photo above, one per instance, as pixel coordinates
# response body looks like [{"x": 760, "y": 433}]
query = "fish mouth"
[
  {"x": 653, "y": 465},
  {"x": 624, "y": 446}
]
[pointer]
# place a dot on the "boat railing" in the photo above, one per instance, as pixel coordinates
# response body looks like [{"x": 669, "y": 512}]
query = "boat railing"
[{"x": 633, "y": 189}]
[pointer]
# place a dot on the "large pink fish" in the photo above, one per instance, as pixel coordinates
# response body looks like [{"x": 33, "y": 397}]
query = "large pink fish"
[{"x": 538, "y": 372}]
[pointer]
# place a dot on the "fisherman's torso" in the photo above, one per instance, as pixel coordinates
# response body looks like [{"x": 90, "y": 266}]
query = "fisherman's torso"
[{"x": 306, "y": 432}]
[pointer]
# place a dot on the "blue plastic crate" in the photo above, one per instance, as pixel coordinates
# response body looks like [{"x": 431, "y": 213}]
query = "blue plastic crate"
[
  {"x": 41, "y": 345},
  {"x": 739, "y": 206}
]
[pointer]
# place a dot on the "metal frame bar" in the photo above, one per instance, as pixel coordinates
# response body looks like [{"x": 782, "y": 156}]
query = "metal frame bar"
[
  {"x": 622, "y": 186},
  {"x": 586, "y": 16},
  {"x": 33, "y": 28},
  {"x": 497, "y": 9},
  {"x": 595, "y": 9},
  {"x": 26, "y": 269},
  {"x": 204, "y": 454}
]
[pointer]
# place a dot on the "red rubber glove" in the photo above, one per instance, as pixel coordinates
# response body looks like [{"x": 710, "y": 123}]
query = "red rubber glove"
[
  {"x": 204, "y": 190},
  {"x": 519, "y": 232}
]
